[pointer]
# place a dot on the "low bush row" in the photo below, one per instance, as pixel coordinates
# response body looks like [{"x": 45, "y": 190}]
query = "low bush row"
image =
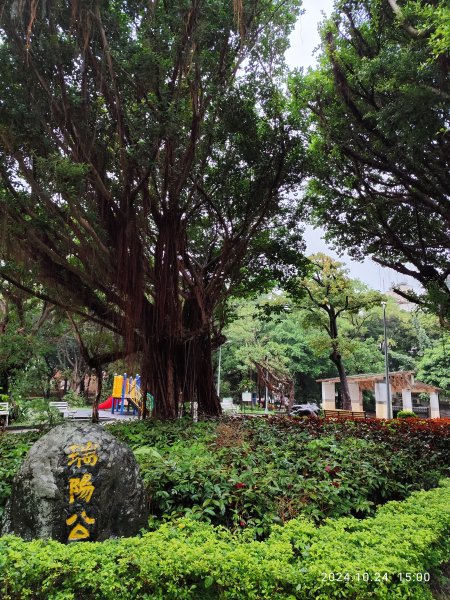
[{"x": 386, "y": 557}]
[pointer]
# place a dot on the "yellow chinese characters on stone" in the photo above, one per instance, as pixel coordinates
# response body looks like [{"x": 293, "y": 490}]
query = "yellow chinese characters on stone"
[
  {"x": 81, "y": 488},
  {"x": 79, "y": 532},
  {"x": 83, "y": 454}
]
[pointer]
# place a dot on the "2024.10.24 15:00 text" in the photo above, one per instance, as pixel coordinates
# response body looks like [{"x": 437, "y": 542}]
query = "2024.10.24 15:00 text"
[{"x": 377, "y": 577}]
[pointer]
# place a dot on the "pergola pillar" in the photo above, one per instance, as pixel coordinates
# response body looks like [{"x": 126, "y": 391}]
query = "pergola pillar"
[
  {"x": 328, "y": 396},
  {"x": 434, "y": 405},
  {"x": 407, "y": 400},
  {"x": 355, "y": 395},
  {"x": 381, "y": 400}
]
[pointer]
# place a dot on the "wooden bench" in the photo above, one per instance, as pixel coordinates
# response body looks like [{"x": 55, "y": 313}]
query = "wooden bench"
[
  {"x": 4, "y": 411},
  {"x": 345, "y": 414}
]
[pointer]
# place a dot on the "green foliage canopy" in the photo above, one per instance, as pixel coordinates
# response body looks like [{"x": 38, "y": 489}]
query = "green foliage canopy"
[
  {"x": 144, "y": 150},
  {"x": 379, "y": 106},
  {"x": 434, "y": 365}
]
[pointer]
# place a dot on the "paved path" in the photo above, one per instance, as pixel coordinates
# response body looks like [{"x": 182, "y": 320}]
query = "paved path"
[
  {"x": 80, "y": 414},
  {"x": 104, "y": 415}
]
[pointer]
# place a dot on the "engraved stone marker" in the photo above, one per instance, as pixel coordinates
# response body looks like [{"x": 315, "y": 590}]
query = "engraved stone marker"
[{"x": 77, "y": 483}]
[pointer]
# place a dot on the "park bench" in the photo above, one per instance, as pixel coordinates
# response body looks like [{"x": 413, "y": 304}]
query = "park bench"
[
  {"x": 228, "y": 406},
  {"x": 345, "y": 414},
  {"x": 4, "y": 411},
  {"x": 62, "y": 407}
]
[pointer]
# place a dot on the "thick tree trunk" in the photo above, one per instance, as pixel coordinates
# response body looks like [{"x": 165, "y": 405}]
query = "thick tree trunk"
[
  {"x": 163, "y": 377},
  {"x": 198, "y": 377},
  {"x": 182, "y": 372},
  {"x": 199, "y": 384},
  {"x": 179, "y": 341},
  {"x": 165, "y": 331},
  {"x": 336, "y": 358},
  {"x": 209, "y": 402}
]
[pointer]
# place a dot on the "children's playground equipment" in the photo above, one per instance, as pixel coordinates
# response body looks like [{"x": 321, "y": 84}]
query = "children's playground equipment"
[
  {"x": 106, "y": 404},
  {"x": 127, "y": 394}
]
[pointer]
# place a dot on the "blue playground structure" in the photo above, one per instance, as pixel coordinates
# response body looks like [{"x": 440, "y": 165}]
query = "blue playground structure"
[{"x": 127, "y": 394}]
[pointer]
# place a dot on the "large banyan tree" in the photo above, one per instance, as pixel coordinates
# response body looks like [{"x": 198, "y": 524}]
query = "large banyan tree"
[{"x": 145, "y": 151}]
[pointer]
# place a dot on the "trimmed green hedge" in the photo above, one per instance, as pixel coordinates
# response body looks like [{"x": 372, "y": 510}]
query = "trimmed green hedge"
[
  {"x": 406, "y": 414},
  {"x": 196, "y": 560}
]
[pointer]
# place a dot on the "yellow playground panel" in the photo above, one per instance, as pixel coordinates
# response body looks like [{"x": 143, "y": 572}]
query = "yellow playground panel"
[{"x": 117, "y": 386}]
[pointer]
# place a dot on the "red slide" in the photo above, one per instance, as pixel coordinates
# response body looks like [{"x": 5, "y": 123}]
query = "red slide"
[{"x": 106, "y": 404}]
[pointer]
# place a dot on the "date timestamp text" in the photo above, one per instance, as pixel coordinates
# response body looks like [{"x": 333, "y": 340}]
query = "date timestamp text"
[{"x": 376, "y": 577}]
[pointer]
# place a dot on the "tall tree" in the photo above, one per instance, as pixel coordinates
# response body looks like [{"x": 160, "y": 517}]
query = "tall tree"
[
  {"x": 379, "y": 143},
  {"x": 330, "y": 296},
  {"x": 434, "y": 365},
  {"x": 269, "y": 329},
  {"x": 145, "y": 148}
]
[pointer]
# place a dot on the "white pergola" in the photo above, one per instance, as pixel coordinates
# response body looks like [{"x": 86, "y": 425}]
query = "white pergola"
[{"x": 400, "y": 382}]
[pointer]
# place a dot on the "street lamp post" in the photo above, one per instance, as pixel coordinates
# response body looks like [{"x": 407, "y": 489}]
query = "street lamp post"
[
  {"x": 386, "y": 364},
  {"x": 266, "y": 399},
  {"x": 219, "y": 366},
  {"x": 218, "y": 371}
]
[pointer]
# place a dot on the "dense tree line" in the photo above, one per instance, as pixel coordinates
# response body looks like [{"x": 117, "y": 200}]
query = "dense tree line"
[
  {"x": 288, "y": 336},
  {"x": 41, "y": 354},
  {"x": 151, "y": 157}
]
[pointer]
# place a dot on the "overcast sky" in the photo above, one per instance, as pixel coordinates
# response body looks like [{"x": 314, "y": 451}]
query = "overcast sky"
[{"x": 304, "y": 40}]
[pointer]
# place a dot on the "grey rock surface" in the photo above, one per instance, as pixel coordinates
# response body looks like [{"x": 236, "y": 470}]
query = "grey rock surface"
[{"x": 78, "y": 483}]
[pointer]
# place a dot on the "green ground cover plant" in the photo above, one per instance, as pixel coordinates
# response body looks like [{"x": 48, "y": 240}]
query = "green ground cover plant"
[
  {"x": 258, "y": 508},
  {"x": 36, "y": 412},
  {"x": 13, "y": 449},
  {"x": 379, "y": 557}
]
